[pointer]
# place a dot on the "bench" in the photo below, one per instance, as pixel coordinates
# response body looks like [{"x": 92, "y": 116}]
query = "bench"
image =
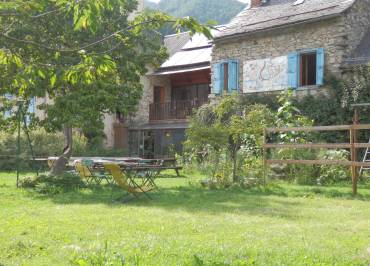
[{"x": 168, "y": 164}]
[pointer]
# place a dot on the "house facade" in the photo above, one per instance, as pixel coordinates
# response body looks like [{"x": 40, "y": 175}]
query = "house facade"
[
  {"x": 171, "y": 94},
  {"x": 277, "y": 44},
  {"x": 270, "y": 46}
]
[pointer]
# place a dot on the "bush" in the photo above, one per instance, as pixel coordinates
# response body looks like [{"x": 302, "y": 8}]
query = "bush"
[
  {"x": 329, "y": 173},
  {"x": 219, "y": 133},
  {"x": 49, "y": 184},
  {"x": 47, "y": 144},
  {"x": 44, "y": 144}
]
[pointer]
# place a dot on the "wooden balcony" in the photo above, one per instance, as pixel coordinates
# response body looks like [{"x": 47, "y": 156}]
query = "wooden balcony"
[{"x": 174, "y": 110}]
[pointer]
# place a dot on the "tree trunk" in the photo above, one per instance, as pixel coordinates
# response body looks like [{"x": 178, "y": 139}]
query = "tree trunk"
[
  {"x": 60, "y": 164},
  {"x": 234, "y": 158}
]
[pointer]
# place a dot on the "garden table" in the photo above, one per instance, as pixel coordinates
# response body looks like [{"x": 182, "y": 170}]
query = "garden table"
[{"x": 147, "y": 173}]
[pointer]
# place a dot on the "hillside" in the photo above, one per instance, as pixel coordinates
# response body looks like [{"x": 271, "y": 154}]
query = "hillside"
[{"x": 202, "y": 10}]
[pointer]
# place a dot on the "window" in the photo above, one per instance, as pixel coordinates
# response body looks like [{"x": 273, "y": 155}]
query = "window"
[
  {"x": 190, "y": 92},
  {"x": 226, "y": 77},
  {"x": 306, "y": 68}
]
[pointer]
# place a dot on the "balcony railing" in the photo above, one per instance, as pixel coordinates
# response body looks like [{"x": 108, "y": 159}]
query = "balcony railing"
[{"x": 174, "y": 110}]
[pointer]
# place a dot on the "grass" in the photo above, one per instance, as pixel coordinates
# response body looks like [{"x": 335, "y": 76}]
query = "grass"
[{"x": 185, "y": 225}]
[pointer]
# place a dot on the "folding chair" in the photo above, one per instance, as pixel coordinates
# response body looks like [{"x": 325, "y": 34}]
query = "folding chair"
[
  {"x": 125, "y": 182},
  {"x": 86, "y": 174}
]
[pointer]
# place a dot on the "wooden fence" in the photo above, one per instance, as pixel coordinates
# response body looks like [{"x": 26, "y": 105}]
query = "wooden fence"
[{"x": 352, "y": 145}]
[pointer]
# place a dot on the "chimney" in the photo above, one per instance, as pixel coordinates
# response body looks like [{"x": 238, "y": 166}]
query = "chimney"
[{"x": 255, "y": 3}]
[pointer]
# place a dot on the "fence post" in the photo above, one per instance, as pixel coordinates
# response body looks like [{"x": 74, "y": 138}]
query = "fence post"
[
  {"x": 264, "y": 156},
  {"x": 19, "y": 118},
  {"x": 353, "y": 140},
  {"x": 354, "y": 151}
]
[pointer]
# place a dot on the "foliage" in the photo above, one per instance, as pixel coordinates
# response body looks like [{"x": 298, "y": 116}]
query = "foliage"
[
  {"x": 85, "y": 57},
  {"x": 45, "y": 144},
  {"x": 48, "y": 184},
  {"x": 332, "y": 174},
  {"x": 225, "y": 139},
  {"x": 332, "y": 107},
  {"x": 288, "y": 115},
  {"x": 218, "y": 132}
]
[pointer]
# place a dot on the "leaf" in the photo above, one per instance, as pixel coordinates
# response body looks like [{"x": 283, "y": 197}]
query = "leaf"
[
  {"x": 41, "y": 74},
  {"x": 57, "y": 55},
  {"x": 53, "y": 79},
  {"x": 17, "y": 61}
]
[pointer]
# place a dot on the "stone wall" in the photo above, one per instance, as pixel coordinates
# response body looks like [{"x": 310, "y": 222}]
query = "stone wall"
[
  {"x": 141, "y": 116},
  {"x": 108, "y": 121},
  {"x": 338, "y": 36},
  {"x": 356, "y": 23}
]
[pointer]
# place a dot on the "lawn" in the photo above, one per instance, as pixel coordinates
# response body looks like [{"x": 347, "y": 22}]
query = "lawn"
[{"x": 186, "y": 225}]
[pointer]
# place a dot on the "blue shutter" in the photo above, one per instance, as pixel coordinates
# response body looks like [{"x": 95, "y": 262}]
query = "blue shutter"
[
  {"x": 222, "y": 78},
  {"x": 233, "y": 82},
  {"x": 293, "y": 70},
  {"x": 320, "y": 62},
  {"x": 217, "y": 78}
]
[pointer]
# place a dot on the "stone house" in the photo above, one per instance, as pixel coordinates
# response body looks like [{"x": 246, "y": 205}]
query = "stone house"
[
  {"x": 171, "y": 93},
  {"x": 277, "y": 44},
  {"x": 270, "y": 46}
]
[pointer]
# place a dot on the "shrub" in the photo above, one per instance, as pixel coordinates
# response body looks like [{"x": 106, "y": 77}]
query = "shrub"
[
  {"x": 47, "y": 144},
  {"x": 49, "y": 184},
  {"x": 219, "y": 132},
  {"x": 44, "y": 144},
  {"x": 333, "y": 173}
]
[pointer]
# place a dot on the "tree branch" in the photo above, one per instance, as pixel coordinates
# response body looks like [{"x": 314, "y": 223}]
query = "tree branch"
[{"x": 40, "y": 45}]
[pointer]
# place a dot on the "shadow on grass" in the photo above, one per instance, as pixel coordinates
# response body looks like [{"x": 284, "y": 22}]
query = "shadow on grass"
[
  {"x": 191, "y": 199},
  {"x": 275, "y": 200}
]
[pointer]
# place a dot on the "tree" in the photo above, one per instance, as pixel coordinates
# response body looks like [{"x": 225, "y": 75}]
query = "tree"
[
  {"x": 227, "y": 127},
  {"x": 87, "y": 56}
]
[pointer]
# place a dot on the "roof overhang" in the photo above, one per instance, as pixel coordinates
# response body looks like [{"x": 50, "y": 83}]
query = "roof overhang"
[
  {"x": 179, "y": 70},
  {"x": 162, "y": 126}
]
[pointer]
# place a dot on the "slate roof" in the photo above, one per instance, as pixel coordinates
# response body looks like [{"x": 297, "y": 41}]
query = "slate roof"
[
  {"x": 280, "y": 13},
  {"x": 175, "y": 42},
  {"x": 186, "y": 53},
  {"x": 189, "y": 57}
]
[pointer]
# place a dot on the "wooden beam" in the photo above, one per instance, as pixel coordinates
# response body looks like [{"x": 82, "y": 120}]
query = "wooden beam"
[
  {"x": 318, "y": 128},
  {"x": 316, "y": 146},
  {"x": 311, "y": 146},
  {"x": 320, "y": 162},
  {"x": 310, "y": 129},
  {"x": 361, "y": 127}
]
